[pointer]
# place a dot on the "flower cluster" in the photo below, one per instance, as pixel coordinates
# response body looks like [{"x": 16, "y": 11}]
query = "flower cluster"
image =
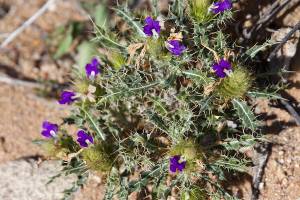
[
  {"x": 160, "y": 109},
  {"x": 152, "y": 27},
  {"x": 67, "y": 97}
]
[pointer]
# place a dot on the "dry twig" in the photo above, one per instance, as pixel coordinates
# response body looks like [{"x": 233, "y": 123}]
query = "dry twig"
[
  {"x": 291, "y": 110},
  {"x": 16, "y": 82},
  {"x": 284, "y": 40},
  {"x": 27, "y": 23},
  {"x": 262, "y": 155},
  {"x": 267, "y": 17}
]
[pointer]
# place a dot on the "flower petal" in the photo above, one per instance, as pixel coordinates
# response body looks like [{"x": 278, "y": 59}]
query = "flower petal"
[
  {"x": 173, "y": 168},
  {"x": 46, "y": 133}
]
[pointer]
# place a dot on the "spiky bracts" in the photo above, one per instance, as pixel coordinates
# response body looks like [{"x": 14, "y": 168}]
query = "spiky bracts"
[
  {"x": 164, "y": 107},
  {"x": 98, "y": 158},
  {"x": 236, "y": 84},
  {"x": 199, "y": 10}
]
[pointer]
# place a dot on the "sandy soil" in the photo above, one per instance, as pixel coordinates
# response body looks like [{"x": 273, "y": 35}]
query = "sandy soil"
[
  {"x": 282, "y": 173},
  {"x": 27, "y": 56},
  {"x": 22, "y": 113}
]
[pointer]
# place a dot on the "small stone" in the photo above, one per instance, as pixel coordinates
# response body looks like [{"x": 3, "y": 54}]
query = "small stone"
[
  {"x": 25, "y": 178},
  {"x": 281, "y": 161},
  {"x": 284, "y": 181},
  {"x": 261, "y": 186}
]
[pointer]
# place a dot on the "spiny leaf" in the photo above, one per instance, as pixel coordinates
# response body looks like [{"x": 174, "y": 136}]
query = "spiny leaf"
[
  {"x": 253, "y": 51},
  {"x": 86, "y": 51},
  {"x": 156, "y": 120},
  {"x": 106, "y": 39},
  {"x": 95, "y": 125},
  {"x": 130, "y": 21},
  {"x": 64, "y": 46},
  {"x": 232, "y": 163},
  {"x": 111, "y": 184},
  {"x": 198, "y": 76},
  {"x": 123, "y": 192},
  {"x": 157, "y": 171},
  {"x": 245, "y": 114},
  {"x": 264, "y": 94},
  {"x": 101, "y": 16}
]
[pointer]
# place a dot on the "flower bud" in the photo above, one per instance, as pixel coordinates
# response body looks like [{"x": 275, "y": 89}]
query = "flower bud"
[
  {"x": 194, "y": 194},
  {"x": 81, "y": 86},
  {"x": 117, "y": 60},
  {"x": 236, "y": 84},
  {"x": 188, "y": 149},
  {"x": 97, "y": 158},
  {"x": 199, "y": 10}
]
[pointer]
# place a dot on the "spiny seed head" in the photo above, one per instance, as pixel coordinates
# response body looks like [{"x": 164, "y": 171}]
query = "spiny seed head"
[
  {"x": 236, "y": 84},
  {"x": 81, "y": 86},
  {"x": 60, "y": 148},
  {"x": 191, "y": 152},
  {"x": 187, "y": 149},
  {"x": 54, "y": 150},
  {"x": 117, "y": 60},
  {"x": 194, "y": 194},
  {"x": 97, "y": 158},
  {"x": 156, "y": 48},
  {"x": 199, "y": 10}
]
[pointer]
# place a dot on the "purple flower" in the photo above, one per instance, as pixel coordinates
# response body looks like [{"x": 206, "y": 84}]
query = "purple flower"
[
  {"x": 92, "y": 68},
  {"x": 222, "y": 68},
  {"x": 84, "y": 139},
  {"x": 67, "y": 97},
  {"x": 175, "y": 47},
  {"x": 221, "y": 6},
  {"x": 175, "y": 165},
  {"x": 150, "y": 26},
  {"x": 49, "y": 129}
]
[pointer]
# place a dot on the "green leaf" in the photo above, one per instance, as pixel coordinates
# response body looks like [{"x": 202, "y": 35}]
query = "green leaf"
[
  {"x": 86, "y": 51},
  {"x": 197, "y": 76},
  {"x": 39, "y": 142},
  {"x": 253, "y": 51},
  {"x": 130, "y": 21},
  {"x": 95, "y": 125},
  {"x": 245, "y": 114},
  {"x": 156, "y": 171},
  {"x": 101, "y": 16},
  {"x": 111, "y": 184},
  {"x": 264, "y": 94},
  {"x": 232, "y": 163},
  {"x": 64, "y": 46},
  {"x": 156, "y": 120}
]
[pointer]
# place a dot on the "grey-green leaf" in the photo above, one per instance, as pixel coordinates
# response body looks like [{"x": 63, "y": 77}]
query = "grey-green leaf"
[
  {"x": 101, "y": 16},
  {"x": 87, "y": 51},
  {"x": 130, "y": 21},
  {"x": 245, "y": 114},
  {"x": 264, "y": 94},
  {"x": 64, "y": 46},
  {"x": 253, "y": 51},
  {"x": 94, "y": 125}
]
